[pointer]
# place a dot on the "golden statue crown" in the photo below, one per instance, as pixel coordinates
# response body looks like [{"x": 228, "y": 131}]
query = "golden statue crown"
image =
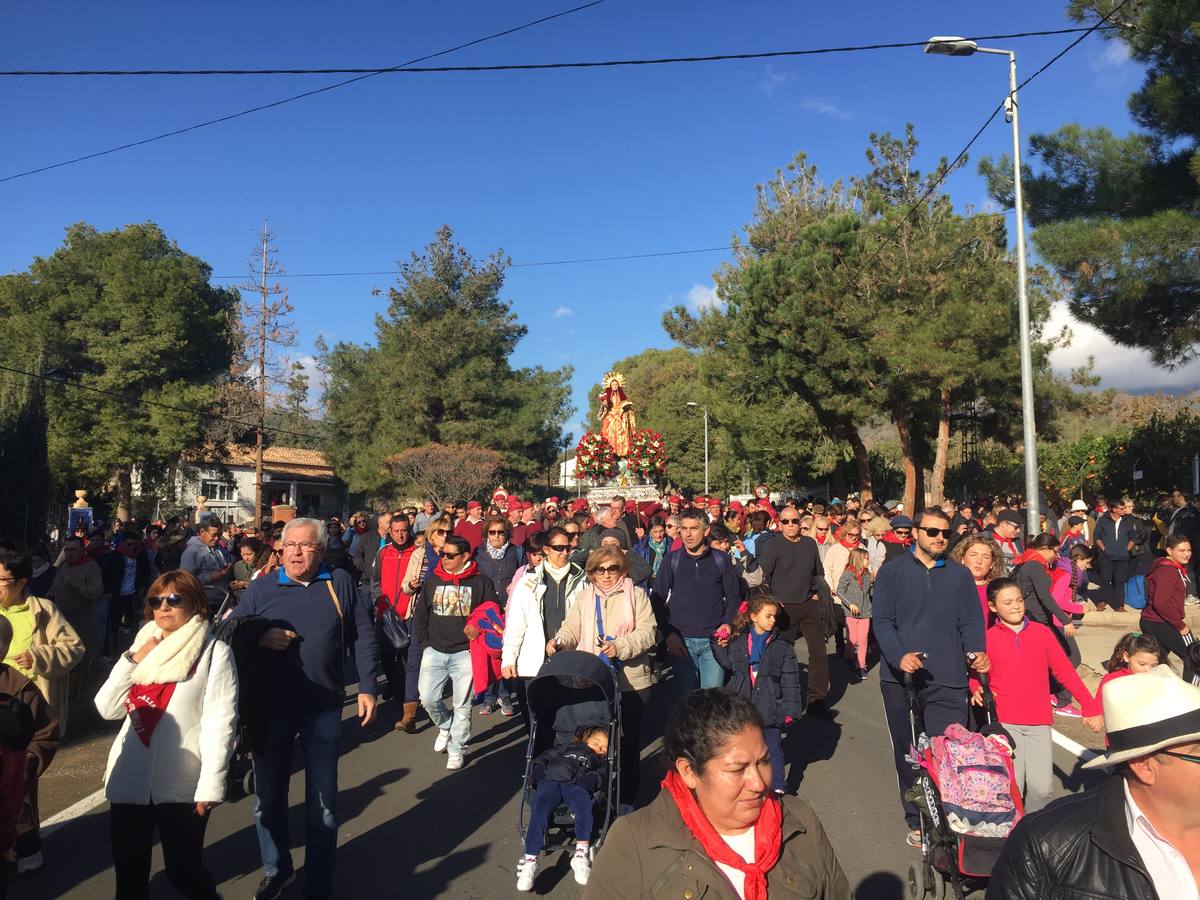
[{"x": 611, "y": 376}]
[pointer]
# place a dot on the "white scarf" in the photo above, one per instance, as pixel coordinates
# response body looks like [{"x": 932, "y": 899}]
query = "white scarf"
[{"x": 172, "y": 660}]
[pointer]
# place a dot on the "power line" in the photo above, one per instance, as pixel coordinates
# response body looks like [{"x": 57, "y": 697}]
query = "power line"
[
  {"x": 517, "y": 67},
  {"x": 293, "y": 98},
  {"x": 65, "y": 382}
]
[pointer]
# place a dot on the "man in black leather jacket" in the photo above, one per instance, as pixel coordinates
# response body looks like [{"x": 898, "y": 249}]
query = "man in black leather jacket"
[{"x": 1138, "y": 834}]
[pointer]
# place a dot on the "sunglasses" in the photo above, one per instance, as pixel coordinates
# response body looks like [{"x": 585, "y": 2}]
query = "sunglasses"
[
  {"x": 789, "y": 521},
  {"x": 173, "y": 600},
  {"x": 558, "y": 548},
  {"x": 937, "y": 532},
  {"x": 441, "y": 531},
  {"x": 606, "y": 570},
  {"x": 500, "y": 531},
  {"x": 445, "y": 554}
]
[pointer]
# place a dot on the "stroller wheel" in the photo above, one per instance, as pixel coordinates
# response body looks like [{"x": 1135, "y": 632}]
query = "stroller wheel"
[
  {"x": 248, "y": 782},
  {"x": 914, "y": 889},
  {"x": 932, "y": 883}
]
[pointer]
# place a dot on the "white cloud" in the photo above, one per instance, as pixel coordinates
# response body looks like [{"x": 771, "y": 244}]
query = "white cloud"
[
  {"x": 1123, "y": 368},
  {"x": 823, "y": 106},
  {"x": 563, "y": 311},
  {"x": 317, "y": 381},
  {"x": 774, "y": 80},
  {"x": 1114, "y": 55},
  {"x": 702, "y": 297}
]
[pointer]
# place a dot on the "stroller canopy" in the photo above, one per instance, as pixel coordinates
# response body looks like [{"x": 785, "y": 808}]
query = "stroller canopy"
[{"x": 573, "y": 689}]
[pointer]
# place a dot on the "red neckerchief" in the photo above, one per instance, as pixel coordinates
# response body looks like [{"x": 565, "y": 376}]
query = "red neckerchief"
[
  {"x": 849, "y": 545},
  {"x": 768, "y": 835},
  {"x": 1031, "y": 556},
  {"x": 458, "y": 577},
  {"x": 891, "y": 537},
  {"x": 146, "y": 705}
]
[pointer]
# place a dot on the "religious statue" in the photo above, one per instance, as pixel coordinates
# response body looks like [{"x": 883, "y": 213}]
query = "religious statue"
[{"x": 617, "y": 423}]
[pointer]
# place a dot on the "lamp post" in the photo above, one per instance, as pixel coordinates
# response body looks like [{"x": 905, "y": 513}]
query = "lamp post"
[
  {"x": 705, "y": 408},
  {"x": 957, "y": 46}
]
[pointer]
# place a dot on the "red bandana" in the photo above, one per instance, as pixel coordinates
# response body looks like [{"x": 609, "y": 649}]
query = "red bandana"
[
  {"x": 768, "y": 835},
  {"x": 146, "y": 705}
]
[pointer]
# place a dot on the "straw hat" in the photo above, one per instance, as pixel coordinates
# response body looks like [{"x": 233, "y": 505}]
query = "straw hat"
[
  {"x": 1148, "y": 712},
  {"x": 1079, "y": 506}
]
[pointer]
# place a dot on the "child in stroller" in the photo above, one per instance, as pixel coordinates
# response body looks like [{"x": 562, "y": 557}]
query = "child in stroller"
[{"x": 570, "y": 775}]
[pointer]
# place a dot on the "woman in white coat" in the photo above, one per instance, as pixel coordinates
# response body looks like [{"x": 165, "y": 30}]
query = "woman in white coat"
[{"x": 176, "y": 689}]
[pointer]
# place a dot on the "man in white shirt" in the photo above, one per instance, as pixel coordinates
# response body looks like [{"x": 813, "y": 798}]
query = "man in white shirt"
[{"x": 1138, "y": 834}]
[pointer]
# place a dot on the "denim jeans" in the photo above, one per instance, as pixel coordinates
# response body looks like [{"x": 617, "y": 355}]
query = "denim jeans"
[
  {"x": 497, "y": 690},
  {"x": 320, "y": 734},
  {"x": 774, "y": 739},
  {"x": 699, "y": 669},
  {"x": 436, "y": 669}
]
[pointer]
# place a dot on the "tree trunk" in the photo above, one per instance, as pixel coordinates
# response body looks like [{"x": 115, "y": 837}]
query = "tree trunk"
[
  {"x": 866, "y": 488},
  {"x": 914, "y": 489},
  {"x": 937, "y": 483},
  {"x": 838, "y": 483},
  {"x": 124, "y": 494}
]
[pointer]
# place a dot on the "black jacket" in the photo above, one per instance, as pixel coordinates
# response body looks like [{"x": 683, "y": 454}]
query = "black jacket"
[
  {"x": 776, "y": 691},
  {"x": 1078, "y": 846},
  {"x": 576, "y": 763},
  {"x": 1034, "y": 581},
  {"x": 112, "y": 570}
]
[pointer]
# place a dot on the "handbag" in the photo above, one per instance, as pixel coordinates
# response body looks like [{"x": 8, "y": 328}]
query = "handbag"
[{"x": 394, "y": 628}]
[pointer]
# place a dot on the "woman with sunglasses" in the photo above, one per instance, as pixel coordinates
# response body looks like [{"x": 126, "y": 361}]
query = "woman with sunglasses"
[
  {"x": 613, "y": 620},
  {"x": 176, "y": 690},
  {"x": 498, "y": 559},
  {"x": 422, "y": 562}
]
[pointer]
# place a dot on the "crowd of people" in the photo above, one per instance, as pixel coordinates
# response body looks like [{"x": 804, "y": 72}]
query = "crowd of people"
[{"x": 208, "y": 640}]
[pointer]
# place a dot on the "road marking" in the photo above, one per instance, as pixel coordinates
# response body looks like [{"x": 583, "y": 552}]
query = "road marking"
[
  {"x": 1084, "y": 754},
  {"x": 74, "y": 811}
]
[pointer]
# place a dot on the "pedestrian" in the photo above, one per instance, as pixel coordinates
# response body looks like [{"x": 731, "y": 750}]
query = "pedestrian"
[
  {"x": 568, "y": 775},
  {"x": 447, "y": 598},
  {"x": 252, "y": 555},
  {"x": 899, "y": 539},
  {"x": 1132, "y": 654},
  {"x": 762, "y": 667},
  {"x": 981, "y": 555},
  {"x": 792, "y": 569},
  {"x": 1006, "y": 532},
  {"x": 1024, "y": 656},
  {"x": 1073, "y": 536},
  {"x": 176, "y": 692},
  {"x": 366, "y": 550},
  {"x": 78, "y": 587},
  {"x": 1031, "y": 573},
  {"x": 1133, "y": 837},
  {"x": 854, "y": 590},
  {"x": 1114, "y": 542},
  {"x": 401, "y": 666},
  {"x": 533, "y": 553},
  {"x": 715, "y": 830},
  {"x": 639, "y": 568},
  {"x": 612, "y": 619},
  {"x": 1168, "y": 586},
  {"x": 471, "y": 526},
  {"x": 925, "y": 612},
  {"x": 425, "y": 558},
  {"x": 126, "y": 572},
  {"x": 205, "y": 559},
  {"x": 317, "y": 616},
  {"x": 697, "y": 593}
]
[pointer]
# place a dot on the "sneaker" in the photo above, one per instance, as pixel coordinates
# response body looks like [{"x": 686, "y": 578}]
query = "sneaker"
[
  {"x": 486, "y": 709},
  {"x": 442, "y": 741},
  {"x": 273, "y": 885},
  {"x": 506, "y": 708},
  {"x": 30, "y": 863},
  {"x": 454, "y": 761},
  {"x": 581, "y": 866},
  {"x": 527, "y": 869},
  {"x": 914, "y": 838},
  {"x": 1070, "y": 710}
]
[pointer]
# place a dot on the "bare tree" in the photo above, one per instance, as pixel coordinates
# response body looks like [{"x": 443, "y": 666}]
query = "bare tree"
[{"x": 445, "y": 471}]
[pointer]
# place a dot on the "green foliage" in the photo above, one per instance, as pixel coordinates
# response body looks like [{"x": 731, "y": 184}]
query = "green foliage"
[
  {"x": 291, "y": 412},
  {"x": 439, "y": 372}
]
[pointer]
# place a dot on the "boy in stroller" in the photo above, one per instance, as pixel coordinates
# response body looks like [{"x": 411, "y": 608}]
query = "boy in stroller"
[{"x": 570, "y": 775}]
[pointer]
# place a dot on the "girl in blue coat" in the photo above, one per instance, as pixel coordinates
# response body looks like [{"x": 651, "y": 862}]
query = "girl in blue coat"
[{"x": 763, "y": 669}]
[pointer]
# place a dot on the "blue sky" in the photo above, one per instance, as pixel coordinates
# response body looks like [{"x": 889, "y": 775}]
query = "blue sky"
[{"x": 547, "y": 165}]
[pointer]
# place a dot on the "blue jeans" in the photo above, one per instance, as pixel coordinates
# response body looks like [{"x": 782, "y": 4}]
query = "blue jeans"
[
  {"x": 497, "y": 690},
  {"x": 774, "y": 739},
  {"x": 436, "y": 669},
  {"x": 320, "y": 734},
  {"x": 699, "y": 669},
  {"x": 546, "y": 798}
]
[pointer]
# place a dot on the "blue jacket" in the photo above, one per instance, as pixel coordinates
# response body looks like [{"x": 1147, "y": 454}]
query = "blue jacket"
[
  {"x": 700, "y": 593},
  {"x": 775, "y": 690},
  {"x": 936, "y": 611},
  {"x": 309, "y": 676},
  {"x": 1115, "y": 536},
  {"x": 205, "y": 563}
]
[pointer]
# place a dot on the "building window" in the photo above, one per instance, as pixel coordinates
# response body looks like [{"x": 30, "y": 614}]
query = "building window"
[
  {"x": 310, "y": 504},
  {"x": 219, "y": 491}
]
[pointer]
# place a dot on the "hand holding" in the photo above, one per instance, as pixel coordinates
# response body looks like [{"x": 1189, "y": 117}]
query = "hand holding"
[
  {"x": 609, "y": 649},
  {"x": 981, "y": 663},
  {"x": 24, "y": 660},
  {"x": 508, "y": 671},
  {"x": 977, "y": 697},
  {"x": 1069, "y": 629},
  {"x": 203, "y": 807},
  {"x": 911, "y": 662},
  {"x": 276, "y": 639},
  {"x": 1096, "y": 723},
  {"x": 144, "y": 650},
  {"x": 471, "y": 632},
  {"x": 551, "y": 647}
]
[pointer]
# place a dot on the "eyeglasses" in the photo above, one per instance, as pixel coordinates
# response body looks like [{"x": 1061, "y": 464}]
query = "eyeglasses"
[
  {"x": 606, "y": 570},
  {"x": 558, "y": 548},
  {"x": 446, "y": 554},
  {"x": 937, "y": 532},
  {"x": 173, "y": 600},
  {"x": 500, "y": 531},
  {"x": 303, "y": 547},
  {"x": 1185, "y": 756},
  {"x": 789, "y": 521}
]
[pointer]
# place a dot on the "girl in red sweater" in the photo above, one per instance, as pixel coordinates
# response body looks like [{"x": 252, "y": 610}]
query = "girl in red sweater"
[
  {"x": 1132, "y": 654},
  {"x": 1023, "y": 655}
]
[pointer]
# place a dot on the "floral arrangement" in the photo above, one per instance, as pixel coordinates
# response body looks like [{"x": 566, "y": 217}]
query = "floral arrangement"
[
  {"x": 595, "y": 457},
  {"x": 647, "y": 453}
]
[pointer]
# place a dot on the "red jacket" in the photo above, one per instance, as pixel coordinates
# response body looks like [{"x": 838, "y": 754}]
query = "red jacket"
[
  {"x": 393, "y": 563},
  {"x": 1022, "y": 663},
  {"x": 1166, "y": 589}
]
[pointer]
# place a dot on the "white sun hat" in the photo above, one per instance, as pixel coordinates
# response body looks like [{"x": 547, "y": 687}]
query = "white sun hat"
[
  {"x": 1148, "y": 712},
  {"x": 1079, "y": 506}
]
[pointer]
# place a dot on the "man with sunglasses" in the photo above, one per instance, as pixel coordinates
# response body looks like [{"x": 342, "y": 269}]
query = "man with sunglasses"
[
  {"x": 927, "y": 619},
  {"x": 1134, "y": 837}
]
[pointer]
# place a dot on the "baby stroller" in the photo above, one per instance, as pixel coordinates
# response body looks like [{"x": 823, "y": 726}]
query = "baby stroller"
[
  {"x": 967, "y": 796},
  {"x": 573, "y": 689}
]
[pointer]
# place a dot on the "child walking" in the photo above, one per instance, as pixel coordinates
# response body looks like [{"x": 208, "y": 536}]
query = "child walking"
[
  {"x": 567, "y": 775},
  {"x": 1132, "y": 654},
  {"x": 763, "y": 670},
  {"x": 1023, "y": 656},
  {"x": 854, "y": 590}
]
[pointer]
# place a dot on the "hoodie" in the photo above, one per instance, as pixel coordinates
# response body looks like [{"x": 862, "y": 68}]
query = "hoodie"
[{"x": 446, "y": 602}]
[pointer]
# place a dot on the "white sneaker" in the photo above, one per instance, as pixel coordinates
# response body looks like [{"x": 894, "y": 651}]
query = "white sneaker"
[
  {"x": 454, "y": 761},
  {"x": 527, "y": 870},
  {"x": 582, "y": 867},
  {"x": 30, "y": 863},
  {"x": 442, "y": 742}
]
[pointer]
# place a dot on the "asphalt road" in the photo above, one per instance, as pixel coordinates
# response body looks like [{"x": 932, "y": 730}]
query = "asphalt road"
[{"x": 412, "y": 829}]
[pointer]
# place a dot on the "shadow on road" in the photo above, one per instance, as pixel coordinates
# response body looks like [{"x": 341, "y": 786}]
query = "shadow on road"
[{"x": 880, "y": 886}]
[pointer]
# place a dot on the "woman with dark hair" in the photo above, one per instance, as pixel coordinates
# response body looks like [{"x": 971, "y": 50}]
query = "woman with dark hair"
[
  {"x": 498, "y": 559},
  {"x": 1168, "y": 585},
  {"x": 176, "y": 689},
  {"x": 1031, "y": 572},
  {"x": 714, "y": 830}
]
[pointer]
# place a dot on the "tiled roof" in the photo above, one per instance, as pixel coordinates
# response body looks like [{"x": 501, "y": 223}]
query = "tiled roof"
[{"x": 290, "y": 461}]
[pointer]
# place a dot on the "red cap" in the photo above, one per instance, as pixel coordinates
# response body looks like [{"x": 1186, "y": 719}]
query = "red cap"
[
  {"x": 675, "y": 498},
  {"x": 735, "y": 504},
  {"x": 578, "y": 504},
  {"x": 551, "y": 501},
  {"x": 474, "y": 504}
]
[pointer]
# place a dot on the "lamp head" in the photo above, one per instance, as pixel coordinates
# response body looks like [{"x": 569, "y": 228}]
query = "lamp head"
[
  {"x": 950, "y": 45},
  {"x": 692, "y": 403}
]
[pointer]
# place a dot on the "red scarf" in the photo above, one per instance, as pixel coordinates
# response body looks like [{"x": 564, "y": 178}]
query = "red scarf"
[
  {"x": 1031, "y": 555},
  {"x": 768, "y": 836},
  {"x": 890, "y": 537},
  {"x": 849, "y": 545},
  {"x": 458, "y": 577},
  {"x": 146, "y": 705}
]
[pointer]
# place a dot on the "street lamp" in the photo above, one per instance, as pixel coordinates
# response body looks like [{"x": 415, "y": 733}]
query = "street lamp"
[
  {"x": 705, "y": 408},
  {"x": 957, "y": 46}
]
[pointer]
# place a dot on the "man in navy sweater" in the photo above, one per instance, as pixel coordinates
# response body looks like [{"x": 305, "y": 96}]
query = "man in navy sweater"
[
  {"x": 697, "y": 590},
  {"x": 314, "y": 615},
  {"x": 927, "y": 619}
]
